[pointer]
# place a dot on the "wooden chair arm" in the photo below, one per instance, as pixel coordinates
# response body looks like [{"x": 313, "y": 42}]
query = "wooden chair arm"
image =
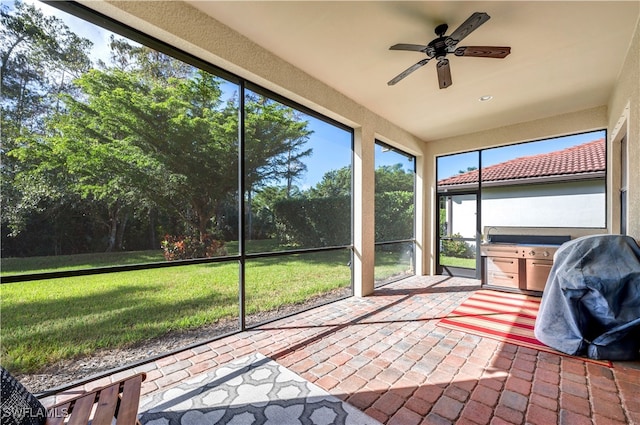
[{"x": 119, "y": 400}]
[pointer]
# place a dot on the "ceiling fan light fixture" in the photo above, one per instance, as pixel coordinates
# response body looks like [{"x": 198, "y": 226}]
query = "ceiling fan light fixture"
[{"x": 485, "y": 98}]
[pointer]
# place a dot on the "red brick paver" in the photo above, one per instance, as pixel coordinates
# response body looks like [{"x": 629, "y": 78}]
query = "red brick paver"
[{"x": 385, "y": 355}]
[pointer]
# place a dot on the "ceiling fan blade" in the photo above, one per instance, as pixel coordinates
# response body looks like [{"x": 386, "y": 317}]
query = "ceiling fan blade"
[
  {"x": 467, "y": 27},
  {"x": 483, "y": 51},
  {"x": 444, "y": 73},
  {"x": 410, "y": 47},
  {"x": 408, "y": 71}
]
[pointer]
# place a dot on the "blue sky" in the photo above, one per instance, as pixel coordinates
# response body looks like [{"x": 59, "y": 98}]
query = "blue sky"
[
  {"x": 331, "y": 151},
  {"x": 97, "y": 35}
]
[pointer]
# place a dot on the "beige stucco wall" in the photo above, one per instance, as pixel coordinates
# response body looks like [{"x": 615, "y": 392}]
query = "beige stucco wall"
[
  {"x": 624, "y": 120},
  {"x": 192, "y": 31}
]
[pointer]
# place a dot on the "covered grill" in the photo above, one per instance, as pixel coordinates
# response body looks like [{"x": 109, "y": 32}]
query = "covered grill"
[{"x": 591, "y": 304}]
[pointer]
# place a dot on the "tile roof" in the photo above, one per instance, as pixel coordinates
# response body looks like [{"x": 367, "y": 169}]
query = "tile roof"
[{"x": 588, "y": 157}]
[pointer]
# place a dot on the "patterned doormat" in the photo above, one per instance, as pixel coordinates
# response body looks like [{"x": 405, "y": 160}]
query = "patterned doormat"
[
  {"x": 507, "y": 317},
  {"x": 254, "y": 390}
]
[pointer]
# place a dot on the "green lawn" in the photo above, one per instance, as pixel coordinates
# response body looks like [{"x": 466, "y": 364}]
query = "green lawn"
[
  {"x": 49, "y": 320},
  {"x": 17, "y": 266},
  {"x": 469, "y": 263},
  {"x": 391, "y": 265}
]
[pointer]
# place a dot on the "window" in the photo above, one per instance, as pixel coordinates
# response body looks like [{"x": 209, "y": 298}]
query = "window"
[
  {"x": 298, "y": 177},
  {"x": 298, "y": 197},
  {"x": 552, "y": 183},
  {"x": 394, "y": 214},
  {"x": 458, "y": 214},
  {"x": 148, "y": 193}
]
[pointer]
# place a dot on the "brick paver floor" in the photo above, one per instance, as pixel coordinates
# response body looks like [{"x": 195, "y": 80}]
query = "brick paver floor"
[{"x": 385, "y": 355}]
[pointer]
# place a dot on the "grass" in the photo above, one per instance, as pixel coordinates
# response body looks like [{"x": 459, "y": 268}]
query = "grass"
[
  {"x": 469, "y": 263},
  {"x": 46, "y": 321},
  {"x": 23, "y": 265},
  {"x": 391, "y": 265}
]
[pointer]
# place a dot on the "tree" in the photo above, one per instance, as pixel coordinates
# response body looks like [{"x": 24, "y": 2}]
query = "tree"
[
  {"x": 185, "y": 129},
  {"x": 37, "y": 51},
  {"x": 388, "y": 178},
  {"x": 146, "y": 132},
  {"x": 275, "y": 137},
  {"x": 467, "y": 170},
  {"x": 392, "y": 178},
  {"x": 263, "y": 209},
  {"x": 40, "y": 56},
  {"x": 394, "y": 203},
  {"x": 132, "y": 142},
  {"x": 333, "y": 183}
]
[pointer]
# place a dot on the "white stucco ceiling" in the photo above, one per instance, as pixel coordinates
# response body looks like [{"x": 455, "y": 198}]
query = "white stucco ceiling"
[{"x": 565, "y": 56}]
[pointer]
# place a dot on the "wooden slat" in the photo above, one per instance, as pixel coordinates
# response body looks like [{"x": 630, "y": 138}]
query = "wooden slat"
[
  {"x": 120, "y": 399},
  {"x": 57, "y": 414},
  {"x": 82, "y": 409},
  {"x": 130, "y": 401},
  {"x": 106, "y": 408}
]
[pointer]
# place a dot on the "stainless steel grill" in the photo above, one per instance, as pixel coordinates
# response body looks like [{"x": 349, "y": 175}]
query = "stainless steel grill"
[
  {"x": 544, "y": 252},
  {"x": 538, "y": 263},
  {"x": 524, "y": 266}
]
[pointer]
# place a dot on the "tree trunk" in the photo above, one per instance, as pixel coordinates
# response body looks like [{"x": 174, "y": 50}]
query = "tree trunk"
[
  {"x": 120, "y": 233},
  {"x": 203, "y": 220},
  {"x": 113, "y": 226},
  {"x": 112, "y": 234},
  {"x": 152, "y": 229},
  {"x": 249, "y": 217}
]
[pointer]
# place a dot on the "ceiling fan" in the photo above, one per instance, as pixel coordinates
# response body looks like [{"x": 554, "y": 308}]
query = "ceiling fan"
[{"x": 439, "y": 47}]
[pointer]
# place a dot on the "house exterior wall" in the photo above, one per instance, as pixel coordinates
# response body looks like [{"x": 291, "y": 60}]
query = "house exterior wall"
[
  {"x": 461, "y": 215},
  {"x": 558, "y": 205},
  {"x": 575, "y": 204}
]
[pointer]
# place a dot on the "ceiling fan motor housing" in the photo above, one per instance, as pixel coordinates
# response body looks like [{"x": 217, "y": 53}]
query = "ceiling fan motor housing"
[
  {"x": 438, "y": 48},
  {"x": 441, "y": 30}
]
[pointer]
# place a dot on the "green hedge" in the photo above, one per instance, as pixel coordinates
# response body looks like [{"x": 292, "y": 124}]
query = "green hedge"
[
  {"x": 312, "y": 222},
  {"x": 394, "y": 216}
]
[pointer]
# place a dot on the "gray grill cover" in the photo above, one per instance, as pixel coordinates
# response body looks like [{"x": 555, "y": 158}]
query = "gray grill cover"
[{"x": 591, "y": 303}]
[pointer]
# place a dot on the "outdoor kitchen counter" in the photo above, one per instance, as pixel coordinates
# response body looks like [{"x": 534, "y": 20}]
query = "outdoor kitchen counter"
[{"x": 517, "y": 267}]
